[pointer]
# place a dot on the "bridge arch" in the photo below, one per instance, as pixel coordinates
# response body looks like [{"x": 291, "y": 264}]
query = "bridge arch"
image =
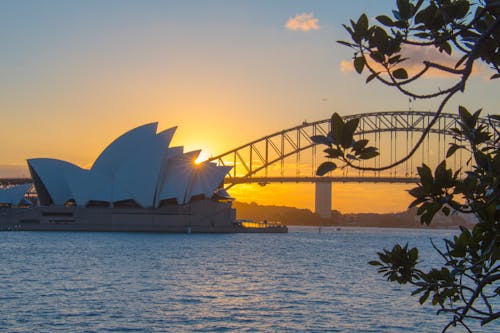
[{"x": 253, "y": 157}]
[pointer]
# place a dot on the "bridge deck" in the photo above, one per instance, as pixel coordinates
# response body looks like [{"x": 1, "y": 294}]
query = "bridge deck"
[{"x": 336, "y": 179}]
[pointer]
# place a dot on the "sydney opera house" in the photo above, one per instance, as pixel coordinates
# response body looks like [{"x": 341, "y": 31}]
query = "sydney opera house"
[{"x": 138, "y": 183}]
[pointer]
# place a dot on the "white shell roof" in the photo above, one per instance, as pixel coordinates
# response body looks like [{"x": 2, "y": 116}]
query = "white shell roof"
[
  {"x": 140, "y": 173},
  {"x": 86, "y": 186},
  {"x": 179, "y": 177},
  {"x": 208, "y": 178},
  {"x": 121, "y": 149},
  {"x": 51, "y": 172},
  {"x": 138, "y": 165}
]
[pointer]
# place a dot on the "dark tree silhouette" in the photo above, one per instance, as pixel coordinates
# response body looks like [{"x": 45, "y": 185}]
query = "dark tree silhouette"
[{"x": 466, "y": 286}]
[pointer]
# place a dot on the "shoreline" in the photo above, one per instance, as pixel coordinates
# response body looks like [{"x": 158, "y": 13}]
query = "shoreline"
[
  {"x": 292, "y": 216},
  {"x": 353, "y": 227}
]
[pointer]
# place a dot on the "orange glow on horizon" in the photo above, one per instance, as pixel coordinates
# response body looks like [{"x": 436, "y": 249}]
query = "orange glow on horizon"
[{"x": 346, "y": 198}]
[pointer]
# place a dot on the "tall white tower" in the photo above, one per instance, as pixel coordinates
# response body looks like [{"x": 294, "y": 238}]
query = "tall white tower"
[{"x": 323, "y": 199}]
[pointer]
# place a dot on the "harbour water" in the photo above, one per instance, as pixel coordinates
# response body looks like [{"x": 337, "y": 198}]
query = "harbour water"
[{"x": 303, "y": 281}]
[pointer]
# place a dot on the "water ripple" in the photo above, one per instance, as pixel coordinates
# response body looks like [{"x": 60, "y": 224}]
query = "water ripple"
[{"x": 125, "y": 282}]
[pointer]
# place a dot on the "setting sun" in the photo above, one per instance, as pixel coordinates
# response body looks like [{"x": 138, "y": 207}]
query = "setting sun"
[{"x": 204, "y": 155}]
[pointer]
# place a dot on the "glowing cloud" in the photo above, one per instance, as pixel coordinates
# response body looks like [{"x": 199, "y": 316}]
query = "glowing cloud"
[
  {"x": 302, "y": 22},
  {"x": 346, "y": 66}
]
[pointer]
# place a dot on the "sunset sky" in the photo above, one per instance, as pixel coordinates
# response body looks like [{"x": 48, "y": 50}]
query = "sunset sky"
[{"x": 76, "y": 74}]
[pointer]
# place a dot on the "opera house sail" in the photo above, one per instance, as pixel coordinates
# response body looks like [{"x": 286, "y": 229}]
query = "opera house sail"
[{"x": 138, "y": 183}]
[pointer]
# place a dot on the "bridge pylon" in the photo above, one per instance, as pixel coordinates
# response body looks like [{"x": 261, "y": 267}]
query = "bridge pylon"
[{"x": 323, "y": 199}]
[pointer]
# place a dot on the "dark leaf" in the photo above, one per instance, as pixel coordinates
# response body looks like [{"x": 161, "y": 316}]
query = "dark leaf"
[
  {"x": 325, "y": 167},
  {"x": 418, "y": 291},
  {"x": 320, "y": 139},
  {"x": 379, "y": 39},
  {"x": 424, "y": 15},
  {"x": 481, "y": 159},
  {"x": 337, "y": 127},
  {"x": 476, "y": 115},
  {"x": 370, "y": 77},
  {"x": 395, "y": 59},
  {"x": 431, "y": 210},
  {"x": 466, "y": 116},
  {"x": 349, "y": 130},
  {"x": 344, "y": 43},
  {"x": 404, "y": 9},
  {"x": 360, "y": 144},
  {"x": 413, "y": 255},
  {"x": 368, "y": 152},
  {"x": 416, "y": 202},
  {"x": 400, "y": 74},
  {"x": 446, "y": 47},
  {"x": 351, "y": 156},
  {"x": 378, "y": 57},
  {"x": 453, "y": 148},
  {"x": 440, "y": 173},
  {"x": 422, "y": 209},
  {"x": 424, "y": 297},
  {"x": 333, "y": 153},
  {"x": 425, "y": 174},
  {"x": 422, "y": 35},
  {"x": 374, "y": 263},
  {"x": 418, "y": 192},
  {"x": 401, "y": 24},
  {"x": 359, "y": 64},
  {"x": 461, "y": 8},
  {"x": 362, "y": 24},
  {"x": 385, "y": 20}
]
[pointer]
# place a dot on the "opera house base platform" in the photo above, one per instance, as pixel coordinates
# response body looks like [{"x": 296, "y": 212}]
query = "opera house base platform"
[{"x": 203, "y": 216}]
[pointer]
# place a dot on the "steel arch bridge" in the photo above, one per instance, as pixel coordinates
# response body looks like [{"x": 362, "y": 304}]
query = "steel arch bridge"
[{"x": 251, "y": 162}]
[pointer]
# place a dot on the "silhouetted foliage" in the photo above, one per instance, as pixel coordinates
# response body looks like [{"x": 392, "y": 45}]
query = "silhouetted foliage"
[
  {"x": 341, "y": 144},
  {"x": 466, "y": 285}
]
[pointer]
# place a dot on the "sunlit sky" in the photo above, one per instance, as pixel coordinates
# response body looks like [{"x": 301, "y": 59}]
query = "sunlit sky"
[{"x": 76, "y": 74}]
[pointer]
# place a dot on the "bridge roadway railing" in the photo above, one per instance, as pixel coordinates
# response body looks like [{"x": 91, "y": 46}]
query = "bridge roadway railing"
[{"x": 333, "y": 179}]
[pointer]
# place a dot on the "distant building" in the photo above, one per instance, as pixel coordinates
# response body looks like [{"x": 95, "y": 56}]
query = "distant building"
[{"x": 14, "y": 195}]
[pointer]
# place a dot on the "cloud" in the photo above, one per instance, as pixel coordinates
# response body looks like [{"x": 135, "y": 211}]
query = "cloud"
[
  {"x": 416, "y": 56},
  {"x": 346, "y": 66},
  {"x": 302, "y": 22}
]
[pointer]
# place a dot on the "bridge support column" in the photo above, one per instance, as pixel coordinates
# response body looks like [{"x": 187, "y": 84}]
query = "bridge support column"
[{"x": 323, "y": 199}]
